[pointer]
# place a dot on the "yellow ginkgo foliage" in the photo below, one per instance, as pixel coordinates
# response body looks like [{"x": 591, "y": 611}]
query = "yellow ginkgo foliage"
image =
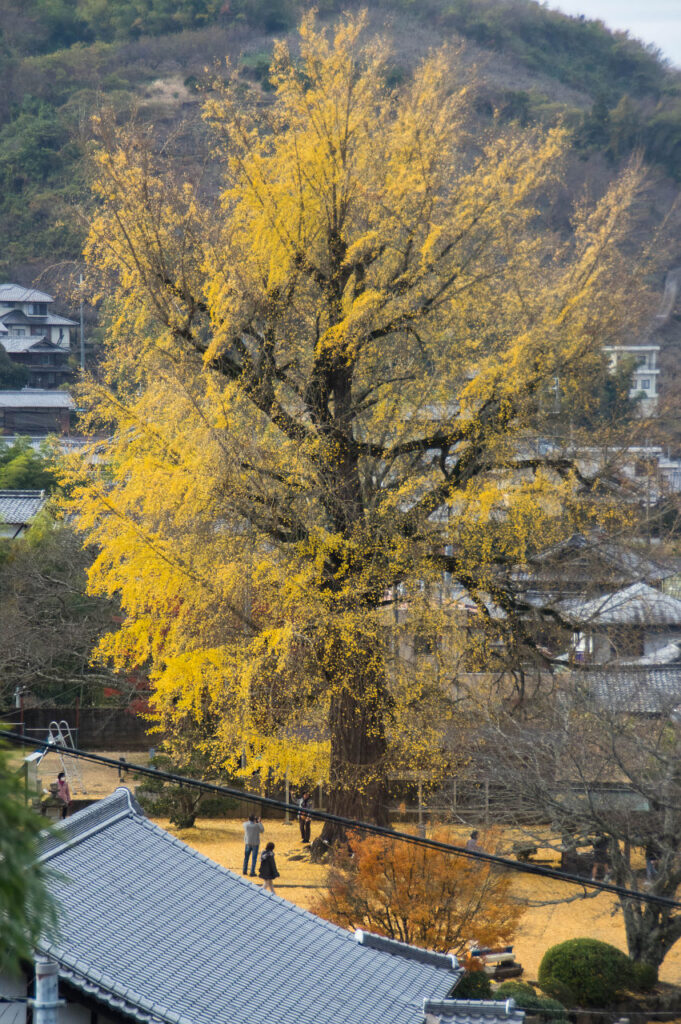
[{"x": 320, "y": 389}]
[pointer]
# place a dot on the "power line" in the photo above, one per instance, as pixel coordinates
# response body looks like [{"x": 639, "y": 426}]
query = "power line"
[{"x": 353, "y": 825}]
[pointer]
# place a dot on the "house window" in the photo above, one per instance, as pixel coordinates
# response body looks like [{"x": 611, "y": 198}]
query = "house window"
[
  {"x": 645, "y": 383},
  {"x": 39, "y": 308}
]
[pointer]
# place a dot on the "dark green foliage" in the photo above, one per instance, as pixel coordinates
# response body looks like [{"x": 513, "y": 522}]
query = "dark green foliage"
[
  {"x": 635, "y": 124},
  {"x": 527, "y": 999},
  {"x": 579, "y": 52},
  {"x": 40, "y": 177},
  {"x": 181, "y": 804},
  {"x": 591, "y": 972},
  {"x": 59, "y": 59},
  {"x": 12, "y": 375},
  {"x": 515, "y": 990},
  {"x": 23, "y": 468},
  {"x": 645, "y": 976},
  {"x": 49, "y": 626},
  {"x": 26, "y": 908},
  {"x": 474, "y": 985},
  {"x": 257, "y": 67}
]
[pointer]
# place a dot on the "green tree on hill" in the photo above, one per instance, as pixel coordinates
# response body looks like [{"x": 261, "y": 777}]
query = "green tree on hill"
[{"x": 23, "y": 468}]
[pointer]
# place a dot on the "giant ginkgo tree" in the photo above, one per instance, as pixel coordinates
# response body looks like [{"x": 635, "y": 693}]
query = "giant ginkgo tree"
[{"x": 321, "y": 386}]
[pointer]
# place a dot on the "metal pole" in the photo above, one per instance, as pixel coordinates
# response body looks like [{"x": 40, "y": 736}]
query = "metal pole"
[
  {"x": 82, "y": 336},
  {"x": 47, "y": 1001}
]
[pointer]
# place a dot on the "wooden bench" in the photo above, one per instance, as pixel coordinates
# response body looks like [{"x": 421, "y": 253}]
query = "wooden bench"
[{"x": 499, "y": 964}]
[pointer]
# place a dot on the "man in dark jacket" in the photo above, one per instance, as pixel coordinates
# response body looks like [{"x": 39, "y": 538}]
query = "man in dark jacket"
[
  {"x": 304, "y": 819},
  {"x": 268, "y": 868}
]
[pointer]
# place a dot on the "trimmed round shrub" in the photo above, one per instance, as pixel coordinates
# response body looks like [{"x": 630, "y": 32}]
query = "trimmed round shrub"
[
  {"x": 474, "y": 985},
  {"x": 515, "y": 990},
  {"x": 560, "y": 992},
  {"x": 589, "y": 972},
  {"x": 645, "y": 976},
  {"x": 527, "y": 999}
]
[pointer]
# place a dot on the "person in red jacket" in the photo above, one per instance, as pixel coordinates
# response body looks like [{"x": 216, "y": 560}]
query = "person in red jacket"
[{"x": 64, "y": 793}]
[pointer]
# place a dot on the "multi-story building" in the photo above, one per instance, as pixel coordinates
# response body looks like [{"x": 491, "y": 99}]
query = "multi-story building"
[
  {"x": 35, "y": 337},
  {"x": 644, "y": 378}
]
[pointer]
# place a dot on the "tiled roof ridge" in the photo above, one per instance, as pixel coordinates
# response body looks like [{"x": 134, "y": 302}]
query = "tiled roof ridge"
[
  {"x": 121, "y": 803},
  {"x": 472, "y": 1007},
  {"x": 405, "y": 949},
  {"x": 98, "y": 816},
  {"x": 8, "y": 492},
  {"x": 628, "y": 668}
]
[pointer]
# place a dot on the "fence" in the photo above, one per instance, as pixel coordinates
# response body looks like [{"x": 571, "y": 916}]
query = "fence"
[
  {"x": 92, "y": 728},
  {"x": 458, "y": 801}
]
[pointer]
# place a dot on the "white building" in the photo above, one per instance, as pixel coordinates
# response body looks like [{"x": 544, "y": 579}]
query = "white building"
[
  {"x": 644, "y": 379},
  {"x": 35, "y": 337}
]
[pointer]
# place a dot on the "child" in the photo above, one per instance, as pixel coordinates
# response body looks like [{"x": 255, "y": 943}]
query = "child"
[{"x": 268, "y": 868}]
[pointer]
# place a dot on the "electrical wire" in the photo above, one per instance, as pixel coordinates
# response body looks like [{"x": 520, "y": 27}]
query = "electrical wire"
[{"x": 353, "y": 825}]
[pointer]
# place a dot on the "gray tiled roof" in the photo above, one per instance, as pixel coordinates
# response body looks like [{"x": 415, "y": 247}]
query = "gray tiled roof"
[
  {"x": 472, "y": 1011},
  {"x": 55, "y": 320},
  {"x": 36, "y": 398},
  {"x": 637, "y": 605},
  {"x": 641, "y": 691},
  {"x": 19, "y": 507},
  {"x": 15, "y": 293},
  {"x": 157, "y": 931},
  {"x": 31, "y": 341}
]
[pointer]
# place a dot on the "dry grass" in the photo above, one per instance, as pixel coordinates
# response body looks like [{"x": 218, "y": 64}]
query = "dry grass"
[
  {"x": 222, "y": 840},
  {"x": 98, "y": 780},
  {"x": 596, "y": 917}
]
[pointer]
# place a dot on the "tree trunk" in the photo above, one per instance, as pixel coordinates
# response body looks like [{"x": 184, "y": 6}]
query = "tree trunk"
[
  {"x": 359, "y": 706},
  {"x": 651, "y": 931}
]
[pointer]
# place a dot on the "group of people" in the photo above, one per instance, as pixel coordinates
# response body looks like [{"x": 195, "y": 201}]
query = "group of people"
[{"x": 254, "y": 828}]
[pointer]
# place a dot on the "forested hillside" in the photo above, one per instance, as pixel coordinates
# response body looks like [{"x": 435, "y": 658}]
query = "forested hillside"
[{"x": 60, "y": 60}]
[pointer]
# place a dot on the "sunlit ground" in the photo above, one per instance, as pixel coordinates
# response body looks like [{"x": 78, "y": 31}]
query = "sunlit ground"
[{"x": 541, "y": 927}]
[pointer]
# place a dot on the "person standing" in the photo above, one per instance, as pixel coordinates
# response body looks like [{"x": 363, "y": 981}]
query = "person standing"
[
  {"x": 601, "y": 862},
  {"x": 653, "y": 855},
  {"x": 473, "y": 844},
  {"x": 268, "y": 868},
  {"x": 253, "y": 829},
  {"x": 304, "y": 819},
  {"x": 64, "y": 793}
]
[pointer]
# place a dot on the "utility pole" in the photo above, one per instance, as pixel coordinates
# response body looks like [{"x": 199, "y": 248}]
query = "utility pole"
[
  {"x": 47, "y": 1002},
  {"x": 82, "y": 336}
]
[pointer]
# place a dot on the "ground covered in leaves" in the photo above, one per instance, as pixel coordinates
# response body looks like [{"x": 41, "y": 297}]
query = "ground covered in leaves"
[{"x": 541, "y": 927}]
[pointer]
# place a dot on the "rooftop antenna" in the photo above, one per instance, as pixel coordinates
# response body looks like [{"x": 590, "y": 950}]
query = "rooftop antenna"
[{"x": 82, "y": 336}]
